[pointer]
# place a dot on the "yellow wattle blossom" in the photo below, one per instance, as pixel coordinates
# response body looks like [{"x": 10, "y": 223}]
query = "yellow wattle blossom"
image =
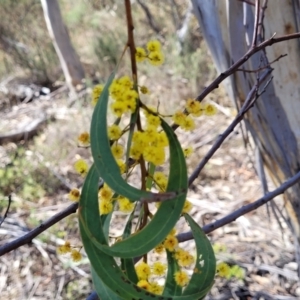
[
  {"x": 74, "y": 195},
  {"x": 150, "y": 134},
  {"x": 144, "y": 284},
  {"x": 153, "y": 120},
  {"x": 118, "y": 108},
  {"x": 117, "y": 150},
  {"x": 105, "y": 193},
  {"x": 187, "y": 207},
  {"x": 84, "y": 139},
  {"x": 66, "y": 248},
  {"x": 126, "y": 82},
  {"x": 97, "y": 90},
  {"x": 81, "y": 167},
  {"x": 156, "y": 58},
  {"x": 160, "y": 178},
  {"x": 181, "y": 278},
  {"x": 162, "y": 140},
  {"x": 159, "y": 249},
  {"x": 183, "y": 257},
  {"x": 143, "y": 270},
  {"x": 76, "y": 255},
  {"x": 237, "y": 272},
  {"x": 155, "y": 288},
  {"x": 155, "y": 155},
  {"x": 140, "y": 54},
  {"x": 114, "y": 132},
  {"x": 130, "y": 105},
  {"x": 223, "y": 269},
  {"x": 122, "y": 165},
  {"x": 125, "y": 205},
  {"x": 193, "y": 107},
  {"x": 188, "y": 124},
  {"x": 130, "y": 95},
  {"x": 170, "y": 243},
  {"x": 139, "y": 139},
  {"x": 105, "y": 207},
  {"x": 144, "y": 90},
  {"x": 209, "y": 109},
  {"x": 159, "y": 268},
  {"x": 154, "y": 46},
  {"x": 116, "y": 89},
  {"x": 135, "y": 151},
  {"x": 179, "y": 117},
  {"x": 188, "y": 151}
]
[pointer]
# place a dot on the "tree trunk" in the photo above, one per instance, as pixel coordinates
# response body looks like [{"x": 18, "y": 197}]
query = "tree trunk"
[
  {"x": 274, "y": 121},
  {"x": 69, "y": 60}
]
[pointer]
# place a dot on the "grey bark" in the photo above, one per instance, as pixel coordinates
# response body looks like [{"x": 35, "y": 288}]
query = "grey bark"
[
  {"x": 274, "y": 121},
  {"x": 69, "y": 60}
]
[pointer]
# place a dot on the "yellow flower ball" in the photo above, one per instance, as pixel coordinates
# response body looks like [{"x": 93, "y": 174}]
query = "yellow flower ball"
[
  {"x": 181, "y": 278},
  {"x": 74, "y": 195},
  {"x": 154, "y": 46},
  {"x": 156, "y": 58},
  {"x": 140, "y": 54}
]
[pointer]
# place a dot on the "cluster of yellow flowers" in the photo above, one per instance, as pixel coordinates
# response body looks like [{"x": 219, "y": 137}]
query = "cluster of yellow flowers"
[
  {"x": 145, "y": 272},
  {"x": 224, "y": 270},
  {"x": 193, "y": 108},
  {"x": 106, "y": 201},
  {"x": 67, "y": 248},
  {"x": 154, "y": 55}
]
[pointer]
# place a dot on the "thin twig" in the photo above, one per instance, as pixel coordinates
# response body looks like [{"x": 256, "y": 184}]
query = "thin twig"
[
  {"x": 256, "y": 24},
  {"x": 7, "y": 210},
  {"x": 243, "y": 210},
  {"x": 28, "y": 237},
  {"x": 264, "y": 67}
]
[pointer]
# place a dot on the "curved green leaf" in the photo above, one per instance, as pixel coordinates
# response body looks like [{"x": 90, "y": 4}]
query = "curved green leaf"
[
  {"x": 171, "y": 287},
  {"x": 205, "y": 266}
]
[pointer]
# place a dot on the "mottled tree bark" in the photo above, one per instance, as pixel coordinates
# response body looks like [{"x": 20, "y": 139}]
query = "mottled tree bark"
[{"x": 274, "y": 121}]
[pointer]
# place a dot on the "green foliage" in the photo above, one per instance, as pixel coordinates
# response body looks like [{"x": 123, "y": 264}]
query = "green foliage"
[{"x": 118, "y": 282}]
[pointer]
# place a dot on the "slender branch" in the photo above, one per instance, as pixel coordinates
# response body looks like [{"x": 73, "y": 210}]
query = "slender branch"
[
  {"x": 264, "y": 67},
  {"x": 243, "y": 210},
  {"x": 246, "y": 106},
  {"x": 28, "y": 237},
  {"x": 256, "y": 24},
  {"x": 7, "y": 210}
]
